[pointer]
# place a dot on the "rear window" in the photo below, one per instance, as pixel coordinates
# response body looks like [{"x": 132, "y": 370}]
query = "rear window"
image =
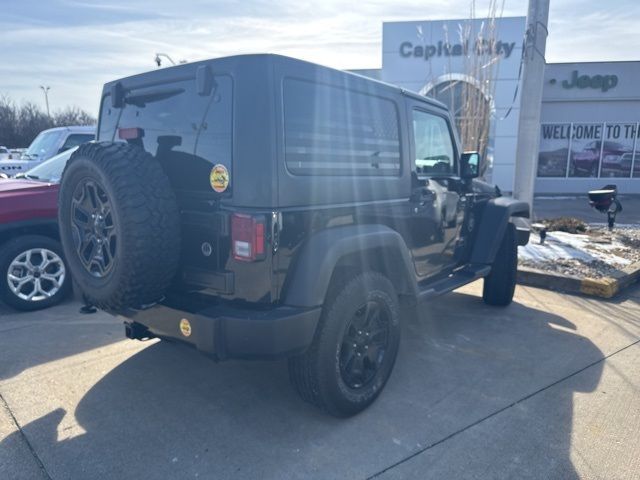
[
  {"x": 334, "y": 131},
  {"x": 188, "y": 133},
  {"x": 76, "y": 139}
]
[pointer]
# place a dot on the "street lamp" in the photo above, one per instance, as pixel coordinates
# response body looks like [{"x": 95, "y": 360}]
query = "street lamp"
[
  {"x": 158, "y": 60},
  {"x": 45, "y": 90}
]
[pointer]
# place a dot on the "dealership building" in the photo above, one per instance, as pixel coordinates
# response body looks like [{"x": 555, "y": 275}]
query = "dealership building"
[{"x": 590, "y": 111}]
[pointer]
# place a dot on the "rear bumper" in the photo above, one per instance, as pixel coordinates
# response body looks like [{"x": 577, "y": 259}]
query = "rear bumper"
[{"x": 225, "y": 332}]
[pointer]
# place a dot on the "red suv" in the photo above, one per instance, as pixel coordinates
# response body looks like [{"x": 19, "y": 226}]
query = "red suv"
[{"x": 33, "y": 273}]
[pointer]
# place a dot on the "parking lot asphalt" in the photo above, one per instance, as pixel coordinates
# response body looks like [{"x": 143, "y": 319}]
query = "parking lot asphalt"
[
  {"x": 546, "y": 388},
  {"x": 548, "y": 206}
]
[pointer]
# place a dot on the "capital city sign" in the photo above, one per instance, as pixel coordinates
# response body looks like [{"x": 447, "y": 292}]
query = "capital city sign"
[
  {"x": 599, "y": 82},
  {"x": 446, "y": 49}
]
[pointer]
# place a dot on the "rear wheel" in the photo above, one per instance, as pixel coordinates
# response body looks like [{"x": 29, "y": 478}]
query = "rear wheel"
[
  {"x": 500, "y": 284},
  {"x": 354, "y": 349},
  {"x": 33, "y": 274}
]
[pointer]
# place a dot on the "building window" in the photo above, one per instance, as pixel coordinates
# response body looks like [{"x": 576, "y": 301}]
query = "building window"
[
  {"x": 589, "y": 150},
  {"x": 586, "y": 144},
  {"x": 554, "y": 150},
  {"x": 617, "y": 150}
]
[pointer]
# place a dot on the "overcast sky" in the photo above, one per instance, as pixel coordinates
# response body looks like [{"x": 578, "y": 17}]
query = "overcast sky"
[{"x": 75, "y": 46}]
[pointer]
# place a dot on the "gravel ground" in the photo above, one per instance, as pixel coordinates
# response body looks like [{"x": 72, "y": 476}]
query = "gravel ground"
[{"x": 623, "y": 242}]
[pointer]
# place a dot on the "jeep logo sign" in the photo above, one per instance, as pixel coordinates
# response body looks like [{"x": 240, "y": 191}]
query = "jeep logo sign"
[{"x": 599, "y": 82}]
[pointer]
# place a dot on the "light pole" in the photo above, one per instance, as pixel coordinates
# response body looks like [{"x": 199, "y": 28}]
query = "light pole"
[
  {"x": 533, "y": 64},
  {"x": 158, "y": 60},
  {"x": 45, "y": 90}
]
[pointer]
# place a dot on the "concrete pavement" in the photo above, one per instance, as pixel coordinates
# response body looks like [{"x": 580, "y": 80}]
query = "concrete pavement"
[{"x": 546, "y": 388}]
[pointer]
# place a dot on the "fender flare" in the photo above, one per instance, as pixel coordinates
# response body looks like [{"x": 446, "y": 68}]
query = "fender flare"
[
  {"x": 496, "y": 215},
  {"x": 320, "y": 255}
]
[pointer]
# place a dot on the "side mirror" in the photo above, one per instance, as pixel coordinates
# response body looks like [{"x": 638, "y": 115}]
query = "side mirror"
[{"x": 470, "y": 165}]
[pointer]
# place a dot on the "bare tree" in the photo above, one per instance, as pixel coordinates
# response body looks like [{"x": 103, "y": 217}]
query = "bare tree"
[
  {"x": 470, "y": 93},
  {"x": 483, "y": 67},
  {"x": 31, "y": 121},
  {"x": 73, "y": 116},
  {"x": 8, "y": 121},
  {"x": 19, "y": 125}
]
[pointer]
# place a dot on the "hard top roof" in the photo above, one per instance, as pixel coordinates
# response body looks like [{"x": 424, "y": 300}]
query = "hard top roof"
[{"x": 280, "y": 58}]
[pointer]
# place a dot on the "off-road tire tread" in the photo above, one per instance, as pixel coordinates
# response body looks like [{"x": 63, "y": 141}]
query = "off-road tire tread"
[
  {"x": 303, "y": 369},
  {"x": 150, "y": 226}
]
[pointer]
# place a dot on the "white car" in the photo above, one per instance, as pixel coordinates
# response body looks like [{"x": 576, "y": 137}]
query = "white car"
[
  {"x": 5, "y": 154},
  {"x": 16, "y": 152},
  {"x": 56, "y": 140},
  {"x": 47, "y": 144}
]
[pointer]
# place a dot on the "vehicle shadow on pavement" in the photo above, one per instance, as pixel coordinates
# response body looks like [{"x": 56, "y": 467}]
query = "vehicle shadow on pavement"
[
  {"x": 28, "y": 339},
  {"x": 168, "y": 412}
]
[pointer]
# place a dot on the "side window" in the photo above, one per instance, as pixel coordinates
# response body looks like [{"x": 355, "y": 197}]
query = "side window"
[
  {"x": 435, "y": 154},
  {"x": 334, "y": 131},
  {"x": 74, "y": 140}
]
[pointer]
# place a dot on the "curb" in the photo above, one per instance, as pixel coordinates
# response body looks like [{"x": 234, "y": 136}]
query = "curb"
[{"x": 607, "y": 287}]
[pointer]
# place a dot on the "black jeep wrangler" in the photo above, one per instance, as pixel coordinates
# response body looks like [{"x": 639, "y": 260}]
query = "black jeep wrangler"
[{"x": 259, "y": 206}]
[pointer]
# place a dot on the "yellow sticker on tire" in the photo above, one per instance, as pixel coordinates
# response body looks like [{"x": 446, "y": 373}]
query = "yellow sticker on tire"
[
  {"x": 219, "y": 178},
  {"x": 185, "y": 327}
]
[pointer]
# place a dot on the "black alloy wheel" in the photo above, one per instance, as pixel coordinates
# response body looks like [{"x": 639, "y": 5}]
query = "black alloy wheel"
[
  {"x": 355, "y": 345},
  {"x": 94, "y": 231},
  {"x": 364, "y": 345}
]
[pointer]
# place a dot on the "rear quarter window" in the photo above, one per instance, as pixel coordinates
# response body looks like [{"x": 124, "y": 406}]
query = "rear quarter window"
[{"x": 335, "y": 131}]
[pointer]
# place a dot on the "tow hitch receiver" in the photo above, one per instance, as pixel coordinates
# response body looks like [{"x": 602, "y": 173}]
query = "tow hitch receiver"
[{"x": 135, "y": 331}]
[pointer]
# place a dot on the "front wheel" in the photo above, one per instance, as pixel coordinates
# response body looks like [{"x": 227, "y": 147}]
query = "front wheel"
[
  {"x": 33, "y": 274},
  {"x": 500, "y": 284},
  {"x": 354, "y": 349}
]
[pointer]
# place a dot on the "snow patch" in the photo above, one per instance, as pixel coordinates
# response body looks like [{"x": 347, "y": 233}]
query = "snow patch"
[{"x": 567, "y": 246}]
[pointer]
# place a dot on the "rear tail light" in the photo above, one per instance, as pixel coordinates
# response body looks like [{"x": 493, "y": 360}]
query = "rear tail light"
[{"x": 247, "y": 237}]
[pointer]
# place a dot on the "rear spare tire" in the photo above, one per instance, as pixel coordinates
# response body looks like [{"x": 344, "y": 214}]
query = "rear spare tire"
[{"x": 119, "y": 225}]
